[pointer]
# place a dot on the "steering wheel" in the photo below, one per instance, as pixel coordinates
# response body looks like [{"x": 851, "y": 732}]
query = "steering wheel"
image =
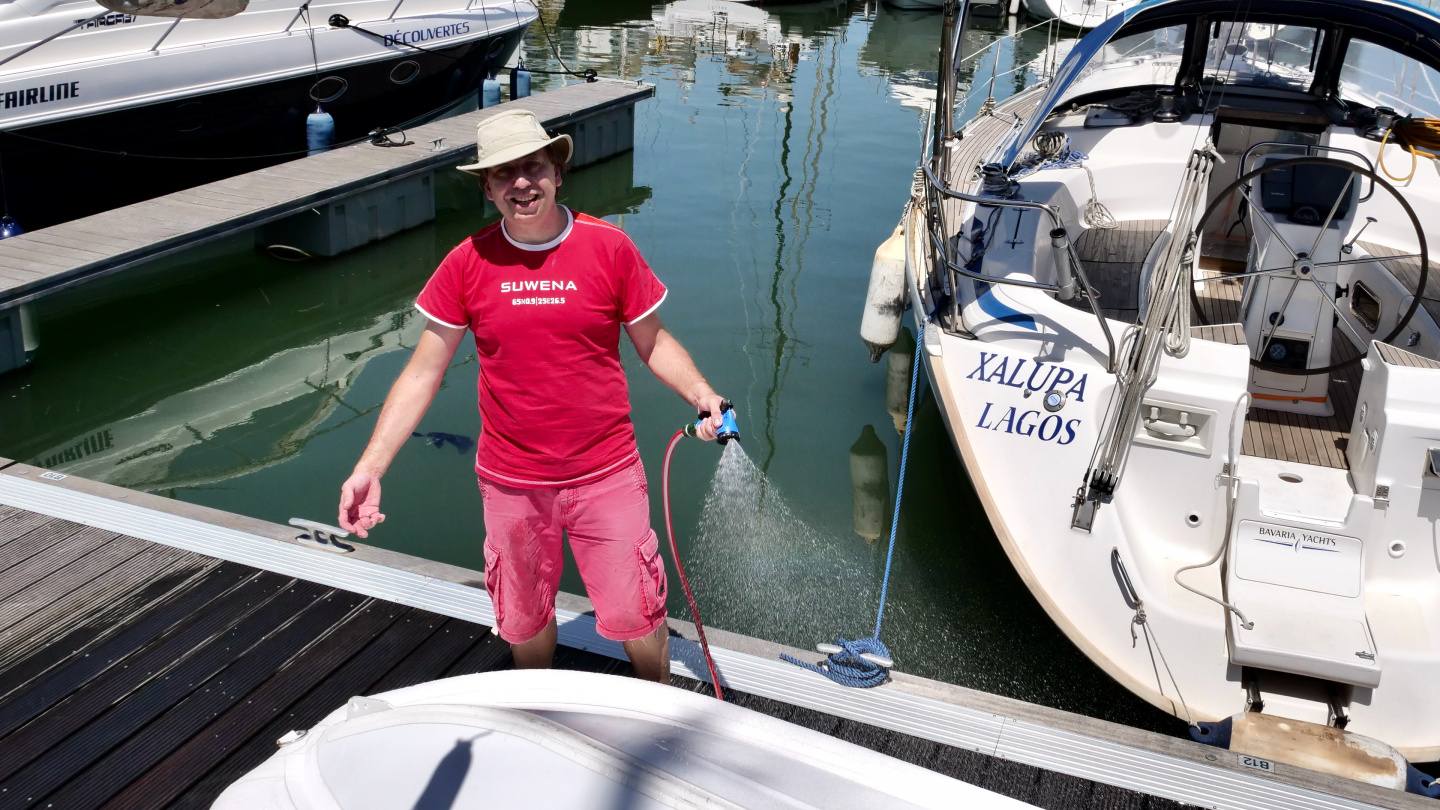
[{"x": 1302, "y": 267}]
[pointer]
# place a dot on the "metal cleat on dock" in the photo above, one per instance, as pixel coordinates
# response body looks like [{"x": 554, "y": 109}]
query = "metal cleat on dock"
[{"x": 322, "y": 536}]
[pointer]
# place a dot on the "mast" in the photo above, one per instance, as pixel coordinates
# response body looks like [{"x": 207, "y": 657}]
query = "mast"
[{"x": 956, "y": 16}]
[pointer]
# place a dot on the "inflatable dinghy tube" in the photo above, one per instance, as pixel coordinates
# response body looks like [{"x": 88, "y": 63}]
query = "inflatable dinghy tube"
[
  {"x": 885, "y": 299},
  {"x": 1265, "y": 739}
]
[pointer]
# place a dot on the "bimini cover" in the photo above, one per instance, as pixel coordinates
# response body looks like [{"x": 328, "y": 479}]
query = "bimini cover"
[
  {"x": 1402, "y": 23},
  {"x": 550, "y": 739}
]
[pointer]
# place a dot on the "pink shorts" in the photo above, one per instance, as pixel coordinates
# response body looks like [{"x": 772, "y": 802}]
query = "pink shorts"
[{"x": 608, "y": 522}]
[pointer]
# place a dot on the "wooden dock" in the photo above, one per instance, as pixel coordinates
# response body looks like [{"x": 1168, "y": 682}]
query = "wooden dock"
[
  {"x": 599, "y": 116},
  {"x": 152, "y": 651}
]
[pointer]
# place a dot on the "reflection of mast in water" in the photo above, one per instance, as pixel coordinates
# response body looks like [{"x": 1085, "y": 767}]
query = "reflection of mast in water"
[{"x": 810, "y": 178}]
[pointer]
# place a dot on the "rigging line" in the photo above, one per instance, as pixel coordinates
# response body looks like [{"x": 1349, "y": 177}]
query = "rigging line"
[
  {"x": 62, "y": 32},
  {"x": 310, "y": 29}
]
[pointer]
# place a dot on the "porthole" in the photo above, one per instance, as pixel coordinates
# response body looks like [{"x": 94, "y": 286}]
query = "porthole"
[
  {"x": 405, "y": 72},
  {"x": 496, "y": 46},
  {"x": 328, "y": 89}
]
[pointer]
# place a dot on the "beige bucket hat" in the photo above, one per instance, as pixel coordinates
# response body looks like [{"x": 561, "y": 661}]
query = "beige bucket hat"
[{"x": 509, "y": 135}]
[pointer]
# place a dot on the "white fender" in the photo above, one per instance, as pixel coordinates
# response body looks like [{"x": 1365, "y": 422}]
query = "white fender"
[{"x": 885, "y": 300}]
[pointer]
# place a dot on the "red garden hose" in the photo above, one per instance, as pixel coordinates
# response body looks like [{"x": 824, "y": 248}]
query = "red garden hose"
[{"x": 679, "y": 568}]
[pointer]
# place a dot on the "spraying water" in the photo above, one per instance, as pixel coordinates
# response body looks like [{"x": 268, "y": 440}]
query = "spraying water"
[{"x": 765, "y": 570}]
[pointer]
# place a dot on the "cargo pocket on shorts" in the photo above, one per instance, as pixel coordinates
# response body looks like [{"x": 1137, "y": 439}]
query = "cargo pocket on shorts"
[
  {"x": 494, "y": 584},
  {"x": 652, "y": 575}
]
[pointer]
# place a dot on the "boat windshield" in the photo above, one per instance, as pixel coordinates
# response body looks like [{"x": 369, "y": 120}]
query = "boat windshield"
[
  {"x": 1376, "y": 76},
  {"x": 1262, "y": 55},
  {"x": 1150, "y": 58}
]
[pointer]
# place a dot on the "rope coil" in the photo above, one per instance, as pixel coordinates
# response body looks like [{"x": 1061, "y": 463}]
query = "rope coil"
[
  {"x": 1410, "y": 133},
  {"x": 846, "y": 666},
  {"x": 1052, "y": 151}
]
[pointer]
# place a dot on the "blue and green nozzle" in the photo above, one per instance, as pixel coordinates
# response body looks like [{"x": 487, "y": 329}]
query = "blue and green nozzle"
[{"x": 729, "y": 428}]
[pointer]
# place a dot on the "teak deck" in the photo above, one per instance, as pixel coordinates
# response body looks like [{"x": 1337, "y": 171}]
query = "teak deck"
[{"x": 46, "y": 261}]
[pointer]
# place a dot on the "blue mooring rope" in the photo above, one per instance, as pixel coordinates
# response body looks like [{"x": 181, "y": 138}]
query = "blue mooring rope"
[{"x": 846, "y": 667}]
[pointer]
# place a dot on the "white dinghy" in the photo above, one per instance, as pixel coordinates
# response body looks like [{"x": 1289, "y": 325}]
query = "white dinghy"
[
  {"x": 541, "y": 739},
  {"x": 1176, "y": 315}
]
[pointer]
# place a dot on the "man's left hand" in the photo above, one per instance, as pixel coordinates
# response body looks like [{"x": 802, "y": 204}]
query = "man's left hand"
[{"x": 709, "y": 428}]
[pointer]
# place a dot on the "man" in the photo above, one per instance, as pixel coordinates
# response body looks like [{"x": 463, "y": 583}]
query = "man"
[{"x": 545, "y": 292}]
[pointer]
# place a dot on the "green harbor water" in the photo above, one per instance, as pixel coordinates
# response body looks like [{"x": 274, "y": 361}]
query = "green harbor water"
[{"x": 776, "y": 156}]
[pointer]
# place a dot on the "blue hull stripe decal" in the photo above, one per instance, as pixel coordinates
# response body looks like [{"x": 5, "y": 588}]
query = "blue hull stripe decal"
[{"x": 999, "y": 310}]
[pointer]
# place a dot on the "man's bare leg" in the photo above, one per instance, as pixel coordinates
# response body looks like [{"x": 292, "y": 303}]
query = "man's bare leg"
[
  {"x": 650, "y": 655},
  {"x": 538, "y": 652}
]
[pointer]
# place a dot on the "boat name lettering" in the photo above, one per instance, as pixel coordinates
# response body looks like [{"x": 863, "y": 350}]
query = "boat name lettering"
[
  {"x": 544, "y": 285},
  {"x": 1002, "y": 374},
  {"x": 94, "y": 443},
  {"x": 108, "y": 19},
  {"x": 40, "y": 95},
  {"x": 1052, "y": 428},
  {"x": 427, "y": 34},
  {"x": 1276, "y": 532}
]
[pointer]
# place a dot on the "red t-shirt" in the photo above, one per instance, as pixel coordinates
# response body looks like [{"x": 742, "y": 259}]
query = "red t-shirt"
[{"x": 554, "y": 405}]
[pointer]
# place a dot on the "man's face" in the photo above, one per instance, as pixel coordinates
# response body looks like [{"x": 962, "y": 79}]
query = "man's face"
[{"x": 524, "y": 189}]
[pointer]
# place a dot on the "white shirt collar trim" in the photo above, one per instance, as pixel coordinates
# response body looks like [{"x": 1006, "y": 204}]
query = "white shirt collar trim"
[{"x": 553, "y": 243}]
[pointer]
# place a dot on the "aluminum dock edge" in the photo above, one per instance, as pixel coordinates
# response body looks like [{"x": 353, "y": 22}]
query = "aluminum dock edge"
[{"x": 152, "y": 650}]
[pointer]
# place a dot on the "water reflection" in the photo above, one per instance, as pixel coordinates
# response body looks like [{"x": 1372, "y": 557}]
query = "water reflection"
[
  {"x": 197, "y": 380},
  {"x": 777, "y": 155}
]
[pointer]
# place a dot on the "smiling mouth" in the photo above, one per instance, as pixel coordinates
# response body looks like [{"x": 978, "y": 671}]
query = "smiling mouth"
[{"x": 525, "y": 202}]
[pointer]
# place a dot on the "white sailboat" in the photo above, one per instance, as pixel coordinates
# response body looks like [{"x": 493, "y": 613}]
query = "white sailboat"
[{"x": 1175, "y": 311}]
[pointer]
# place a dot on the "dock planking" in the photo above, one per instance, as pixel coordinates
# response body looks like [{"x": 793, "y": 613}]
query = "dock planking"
[
  {"x": 41, "y": 262},
  {"x": 166, "y": 695},
  {"x": 171, "y": 696}
]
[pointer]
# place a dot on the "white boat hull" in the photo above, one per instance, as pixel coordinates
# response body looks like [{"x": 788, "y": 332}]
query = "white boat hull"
[
  {"x": 1026, "y": 463},
  {"x": 544, "y": 739},
  {"x": 1082, "y": 14},
  {"x": 131, "y": 107}
]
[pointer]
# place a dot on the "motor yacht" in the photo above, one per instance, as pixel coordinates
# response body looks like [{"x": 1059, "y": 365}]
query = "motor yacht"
[{"x": 99, "y": 107}]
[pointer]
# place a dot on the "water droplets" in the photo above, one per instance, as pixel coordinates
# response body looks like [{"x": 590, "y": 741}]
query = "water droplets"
[{"x": 762, "y": 570}]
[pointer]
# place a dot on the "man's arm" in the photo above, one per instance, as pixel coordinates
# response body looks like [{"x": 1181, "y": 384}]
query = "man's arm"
[
  {"x": 669, "y": 361},
  {"x": 407, "y": 402}
]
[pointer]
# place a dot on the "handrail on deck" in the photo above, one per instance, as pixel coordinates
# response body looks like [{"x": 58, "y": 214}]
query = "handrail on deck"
[{"x": 940, "y": 243}]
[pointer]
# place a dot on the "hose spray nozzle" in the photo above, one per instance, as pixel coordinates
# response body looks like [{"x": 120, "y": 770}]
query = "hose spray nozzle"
[{"x": 729, "y": 428}]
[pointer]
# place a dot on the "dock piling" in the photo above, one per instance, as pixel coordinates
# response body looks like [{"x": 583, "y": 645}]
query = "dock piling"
[{"x": 19, "y": 338}]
